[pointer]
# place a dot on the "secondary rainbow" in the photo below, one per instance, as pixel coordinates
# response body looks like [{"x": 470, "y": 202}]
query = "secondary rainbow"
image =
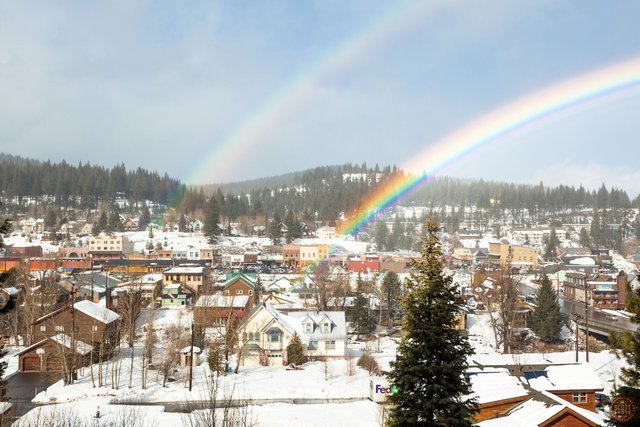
[
  {"x": 611, "y": 81},
  {"x": 270, "y": 116}
]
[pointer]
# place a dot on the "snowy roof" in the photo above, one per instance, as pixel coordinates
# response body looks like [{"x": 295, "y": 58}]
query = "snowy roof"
[
  {"x": 540, "y": 408},
  {"x": 577, "y": 376},
  {"x": 494, "y": 384},
  {"x": 186, "y": 350},
  {"x": 222, "y": 301},
  {"x": 337, "y": 319},
  {"x": 184, "y": 270},
  {"x": 65, "y": 340},
  {"x": 287, "y": 322},
  {"x": 151, "y": 278},
  {"x": 583, "y": 261},
  {"x": 96, "y": 311}
]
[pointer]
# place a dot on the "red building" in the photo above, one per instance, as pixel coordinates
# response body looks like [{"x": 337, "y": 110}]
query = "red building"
[{"x": 364, "y": 264}]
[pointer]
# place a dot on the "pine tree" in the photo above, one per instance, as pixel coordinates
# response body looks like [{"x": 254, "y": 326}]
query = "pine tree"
[
  {"x": 145, "y": 217},
  {"x": 585, "y": 240},
  {"x": 391, "y": 292},
  {"x": 275, "y": 229},
  {"x": 628, "y": 346},
  {"x": 363, "y": 323},
  {"x": 101, "y": 225},
  {"x": 381, "y": 235},
  {"x": 182, "y": 223},
  {"x": 211, "y": 228},
  {"x": 114, "y": 223},
  {"x": 5, "y": 226},
  {"x": 296, "y": 351},
  {"x": 552, "y": 244},
  {"x": 546, "y": 320},
  {"x": 428, "y": 372}
]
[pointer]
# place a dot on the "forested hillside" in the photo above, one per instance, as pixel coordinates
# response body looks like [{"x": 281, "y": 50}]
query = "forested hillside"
[
  {"x": 84, "y": 184},
  {"x": 321, "y": 193}
]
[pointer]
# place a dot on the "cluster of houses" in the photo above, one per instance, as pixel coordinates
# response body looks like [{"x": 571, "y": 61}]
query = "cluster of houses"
[{"x": 529, "y": 390}]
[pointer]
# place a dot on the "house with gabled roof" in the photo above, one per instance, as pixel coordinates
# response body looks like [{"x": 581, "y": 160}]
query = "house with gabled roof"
[
  {"x": 91, "y": 325},
  {"x": 544, "y": 409},
  {"x": 281, "y": 284},
  {"x": 218, "y": 309},
  {"x": 240, "y": 284},
  {"x": 47, "y": 354},
  {"x": 267, "y": 332}
]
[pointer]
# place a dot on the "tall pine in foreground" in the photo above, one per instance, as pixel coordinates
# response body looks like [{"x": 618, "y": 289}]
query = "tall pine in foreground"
[
  {"x": 627, "y": 345},
  {"x": 546, "y": 320},
  {"x": 428, "y": 372}
]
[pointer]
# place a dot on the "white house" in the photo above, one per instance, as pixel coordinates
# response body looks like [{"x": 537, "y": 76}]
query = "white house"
[{"x": 267, "y": 332}]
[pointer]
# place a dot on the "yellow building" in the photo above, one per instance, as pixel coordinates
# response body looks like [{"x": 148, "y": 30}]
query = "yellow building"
[{"x": 521, "y": 256}]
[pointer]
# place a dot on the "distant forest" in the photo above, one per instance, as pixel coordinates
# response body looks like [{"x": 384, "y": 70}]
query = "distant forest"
[
  {"x": 321, "y": 193},
  {"x": 84, "y": 185}
]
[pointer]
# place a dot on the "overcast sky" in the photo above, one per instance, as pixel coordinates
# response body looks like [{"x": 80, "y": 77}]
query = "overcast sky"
[{"x": 224, "y": 91}]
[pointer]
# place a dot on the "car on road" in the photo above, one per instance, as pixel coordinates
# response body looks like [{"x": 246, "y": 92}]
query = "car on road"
[{"x": 602, "y": 400}]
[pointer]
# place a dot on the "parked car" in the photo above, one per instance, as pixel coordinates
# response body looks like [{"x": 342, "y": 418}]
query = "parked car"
[{"x": 602, "y": 400}]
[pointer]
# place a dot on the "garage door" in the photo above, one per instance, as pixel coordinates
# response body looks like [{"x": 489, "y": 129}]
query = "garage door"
[{"x": 31, "y": 363}]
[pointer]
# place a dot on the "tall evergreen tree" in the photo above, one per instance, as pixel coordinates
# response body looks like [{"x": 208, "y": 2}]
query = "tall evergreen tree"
[
  {"x": 628, "y": 346},
  {"x": 275, "y": 229},
  {"x": 585, "y": 239},
  {"x": 5, "y": 226},
  {"x": 428, "y": 372},
  {"x": 182, "y": 223},
  {"x": 296, "y": 351},
  {"x": 546, "y": 320},
  {"x": 552, "y": 244},
  {"x": 391, "y": 292},
  {"x": 363, "y": 322},
  {"x": 293, "y": 227},
  {"x": 114, "y": 222},
  {"x": 145, "y": 217},
  {"x": 381, "y": 235},
  {"x": 211, "y": 228},
  {"x": 101, "y": 225}
]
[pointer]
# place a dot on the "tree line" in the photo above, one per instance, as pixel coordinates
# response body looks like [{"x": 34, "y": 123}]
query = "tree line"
[{"x": 85, "y": 185}]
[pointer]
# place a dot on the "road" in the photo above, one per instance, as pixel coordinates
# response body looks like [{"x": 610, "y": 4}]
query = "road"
[
  {"x": 598, "y": 318},
  {"x": 23, "y": 386}
]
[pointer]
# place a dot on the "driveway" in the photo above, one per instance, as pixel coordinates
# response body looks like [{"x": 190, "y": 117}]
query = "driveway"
[{"x": 23, "y": 386}]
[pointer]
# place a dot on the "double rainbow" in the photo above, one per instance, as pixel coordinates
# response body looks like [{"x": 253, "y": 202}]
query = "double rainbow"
[{"x": 594, "y": 86}]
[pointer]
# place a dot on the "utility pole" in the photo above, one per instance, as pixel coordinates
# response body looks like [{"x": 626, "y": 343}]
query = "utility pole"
[
  {"x": 191, "y": 357},
  {"x": 586, "y": 320},
  {"x": 576, "y": 318},
  {"x": 73, "y": 333}
]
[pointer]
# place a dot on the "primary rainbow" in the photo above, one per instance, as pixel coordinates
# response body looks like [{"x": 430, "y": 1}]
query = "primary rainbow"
[{"x": 528, "y": 110}]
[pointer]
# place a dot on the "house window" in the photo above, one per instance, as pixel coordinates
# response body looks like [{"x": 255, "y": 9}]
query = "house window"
[
  {"x": 274, "y": 336},
  {"x": 331, "y": 345},
  {"x": 256, "y": 336},
  {"x": 326, "y": 328},
  {"x": 59, "y": 328},
  {"x": 43, "y": 328},
  {"x": 313, "y": 345},
  {"x": 238, "y": 291},
  {"x": 580, "y": 397},
  {"x": 308, "y": 328},
  {"x": 94, "y": 328}
]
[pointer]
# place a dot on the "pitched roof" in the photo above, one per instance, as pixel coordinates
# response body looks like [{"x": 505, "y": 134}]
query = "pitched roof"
[
  {"x": 249, "y": 281},
  {"x": 223, "y": 301},
  {"x": 539, "y": 409},
  {"x": 96, "y": 311}
]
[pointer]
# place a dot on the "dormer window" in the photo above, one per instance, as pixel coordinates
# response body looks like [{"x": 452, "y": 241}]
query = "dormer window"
[
  {"x": 308, "y": 328},
  {"x": 326, "y": 328}
]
